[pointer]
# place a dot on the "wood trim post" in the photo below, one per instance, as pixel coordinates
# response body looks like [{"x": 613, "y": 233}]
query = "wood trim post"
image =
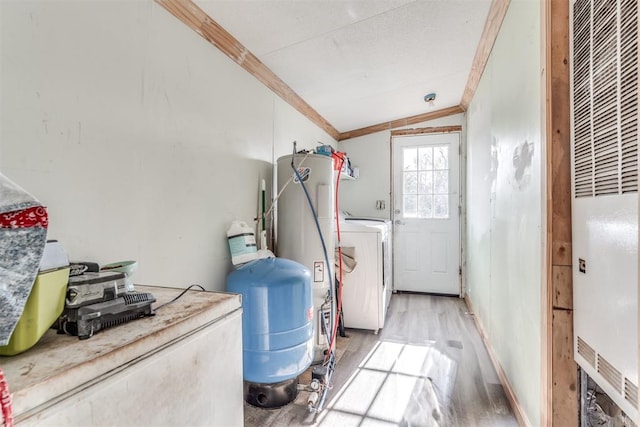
[
  {"x": 496, "y": 15},
  {"x": 407, "y": 121},
  {"x": 560, "y": 404},
  {"x": 196, "y": 19},
  {"x": 518, "y": 410},
  {"x": 424, "y": 131}
]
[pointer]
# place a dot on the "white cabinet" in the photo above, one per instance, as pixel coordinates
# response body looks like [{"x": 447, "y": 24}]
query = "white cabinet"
[{"x": 181, "y": 367}]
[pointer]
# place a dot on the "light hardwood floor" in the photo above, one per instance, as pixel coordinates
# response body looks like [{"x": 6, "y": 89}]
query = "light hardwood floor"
[{"x": 427, "y": 367}]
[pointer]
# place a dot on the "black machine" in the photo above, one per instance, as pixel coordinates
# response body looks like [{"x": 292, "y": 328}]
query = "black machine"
[{"x": 97, "y": 301}]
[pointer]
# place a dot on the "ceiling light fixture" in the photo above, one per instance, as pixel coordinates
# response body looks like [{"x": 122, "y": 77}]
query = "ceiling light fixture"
[{"x": 430, "y": 99}]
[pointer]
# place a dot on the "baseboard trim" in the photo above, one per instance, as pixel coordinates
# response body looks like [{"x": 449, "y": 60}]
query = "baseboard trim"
[{"x": 523, "y": 421}]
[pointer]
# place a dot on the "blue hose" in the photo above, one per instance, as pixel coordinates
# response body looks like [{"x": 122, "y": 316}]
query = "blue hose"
[{"x": 324, "y": 246}]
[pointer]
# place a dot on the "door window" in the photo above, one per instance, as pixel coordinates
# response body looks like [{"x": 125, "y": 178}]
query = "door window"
[{"x": 425, "y": 182}]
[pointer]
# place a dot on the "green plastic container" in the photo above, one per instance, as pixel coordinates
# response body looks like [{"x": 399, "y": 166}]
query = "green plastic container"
[{"x": 43, "y": 307}]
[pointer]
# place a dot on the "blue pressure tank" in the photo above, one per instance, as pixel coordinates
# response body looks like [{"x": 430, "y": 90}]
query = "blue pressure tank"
[{"x": 277, "y": 328}]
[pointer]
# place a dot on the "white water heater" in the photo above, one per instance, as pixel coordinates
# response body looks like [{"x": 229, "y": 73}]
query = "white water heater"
[
  {"x": 297, "y": 233},
  {"x": 604, "y": 106}
]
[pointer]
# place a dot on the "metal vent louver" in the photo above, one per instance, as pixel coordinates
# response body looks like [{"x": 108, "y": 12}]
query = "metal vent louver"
[
  {"x": 605, "y": 97},
  {"x": 629, "y": 95},
  {"x": 609, "y": 373},
  {"x": 631, "y": 392},
  {"x": 588, "y": 353},
  {"x": 582, "y": 99}
]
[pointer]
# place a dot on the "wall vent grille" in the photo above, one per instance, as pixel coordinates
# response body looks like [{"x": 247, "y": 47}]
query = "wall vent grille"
[
  {"x": 605, "y": 97},
  {"x": 588, "y": 353},
  {"x": 631, "y": 392},
  {"x": 629, "y": 95},
  {"x": 609, "y": 373}
]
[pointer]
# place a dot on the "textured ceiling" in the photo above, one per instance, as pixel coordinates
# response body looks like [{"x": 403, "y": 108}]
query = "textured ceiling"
[{"x": 360, "y": 63}]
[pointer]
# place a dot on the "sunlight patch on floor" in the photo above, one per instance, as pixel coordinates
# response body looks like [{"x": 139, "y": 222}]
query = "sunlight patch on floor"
[
  {"x": 391, "y": 383},
  {"x": 358, "y": 395},
  {"x": 393, "y": 398}
]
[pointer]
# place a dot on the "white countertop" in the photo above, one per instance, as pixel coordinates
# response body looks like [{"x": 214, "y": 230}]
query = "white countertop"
[{"x": 58, "y": 364}]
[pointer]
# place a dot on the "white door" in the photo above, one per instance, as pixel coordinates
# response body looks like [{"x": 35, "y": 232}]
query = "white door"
[{"x": 426, "y": 198}]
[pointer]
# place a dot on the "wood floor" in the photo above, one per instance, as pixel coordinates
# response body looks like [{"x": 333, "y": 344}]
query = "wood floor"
[{"x": 427, "y": 367}]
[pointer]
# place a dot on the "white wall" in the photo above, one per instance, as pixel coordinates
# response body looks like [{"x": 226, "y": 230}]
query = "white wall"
[
  {"x": 505, "y": 203},
  {"x": 143, "y": 140},
  {"x": 371, "y": 154}
]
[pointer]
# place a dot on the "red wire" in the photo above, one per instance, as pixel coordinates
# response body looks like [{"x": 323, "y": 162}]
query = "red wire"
[
  {"x": 339, "y": 308},
  {"x": 5, "y": 401}
]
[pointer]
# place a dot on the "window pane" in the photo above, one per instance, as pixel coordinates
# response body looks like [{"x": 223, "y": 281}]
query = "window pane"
[
  {"x": 441, "y": 157},
  {"x": 425, "y": 156},
  {"x": 410, "y": 184},
  {"x": 410, "y": 204},
  {"x": 425, "y": 182},
  {"x": 441, "y": 206},
  {"x": 441, "y": 182},
  {"x": 410, "y": 159},
  {"x": 425, "y": 206}
]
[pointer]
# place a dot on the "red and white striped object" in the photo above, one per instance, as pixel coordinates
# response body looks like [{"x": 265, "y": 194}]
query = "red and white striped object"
[{"x": 5, "y": 402}]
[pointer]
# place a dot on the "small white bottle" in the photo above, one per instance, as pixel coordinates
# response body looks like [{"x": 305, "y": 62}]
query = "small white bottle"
[{"x": 242, "y": 243}]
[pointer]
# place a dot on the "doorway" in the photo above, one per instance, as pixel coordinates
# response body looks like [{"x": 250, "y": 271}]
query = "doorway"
[{"x": 426, "y": 213}]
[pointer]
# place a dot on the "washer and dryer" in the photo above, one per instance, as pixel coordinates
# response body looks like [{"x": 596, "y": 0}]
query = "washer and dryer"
[{"x": 366, "y": 291}]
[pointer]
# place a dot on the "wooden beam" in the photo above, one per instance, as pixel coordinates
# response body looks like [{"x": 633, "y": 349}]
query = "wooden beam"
[
  {"x": 564, "y": 387},
  {"x": 422, "y": 131},
  {"x": 407, "y": 121},
  {"x": 497, "y": 11},
  {"x": 496, "y": 15},
  {"x": 562, "y": 283},
  {"x": 518, "y": 410},
  {"x": 196, "y": 19},
  {"x": 560, "y": 377}
]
